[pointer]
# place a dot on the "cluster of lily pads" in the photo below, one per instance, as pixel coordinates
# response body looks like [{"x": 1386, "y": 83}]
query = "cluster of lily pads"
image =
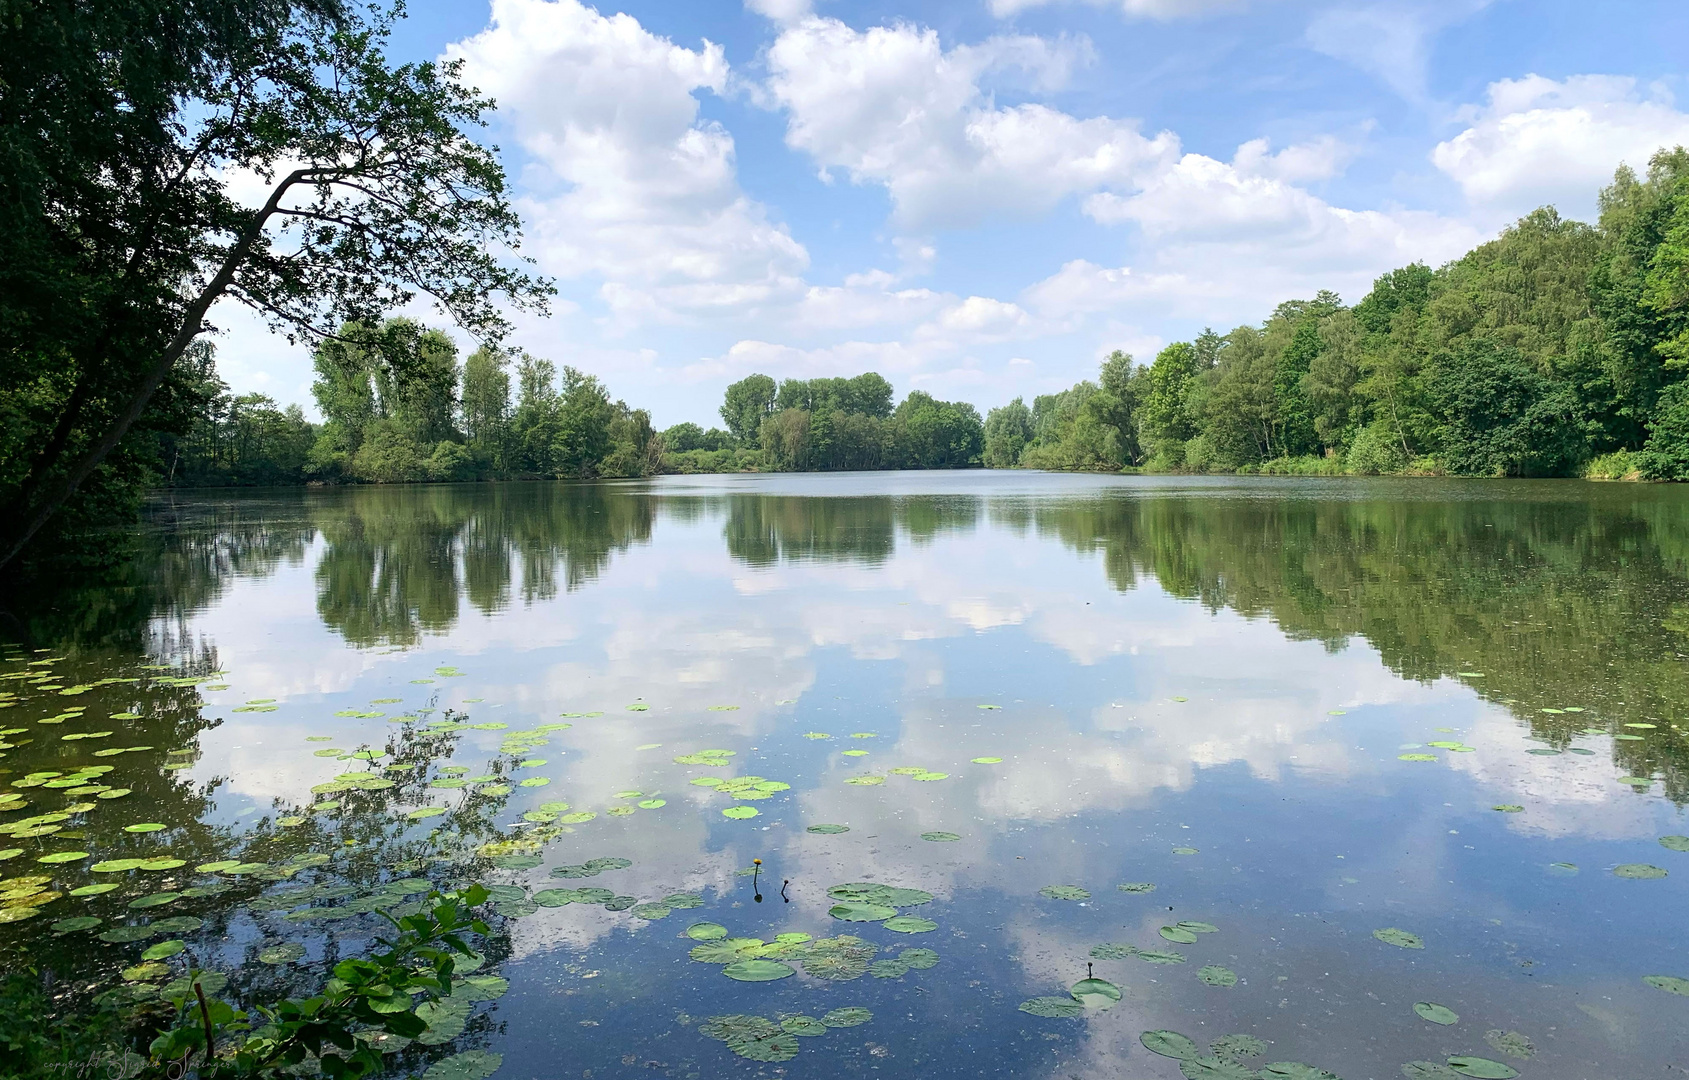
[
  {"x": 1227, "y": 1058},
  {"x": 865, "y": 901},
  {"x": 761, "y": 1039},
  {"x": 834, "y": 959}
]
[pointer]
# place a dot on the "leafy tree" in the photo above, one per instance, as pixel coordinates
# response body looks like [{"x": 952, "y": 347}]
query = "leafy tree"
[
  {"x": 584, "y": 415},
  {"x": 126, "y": 122},
  {"x": 1008, "y": 429},
  {"x": 486, "y": 407},
  {"x": 535, "y": 424},
  {"x": 748, "y": 403},
  {"x": 934, "y": 434}
]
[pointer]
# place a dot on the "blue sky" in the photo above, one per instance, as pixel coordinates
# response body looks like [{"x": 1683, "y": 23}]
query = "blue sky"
[{"x": 983, "y": 198}]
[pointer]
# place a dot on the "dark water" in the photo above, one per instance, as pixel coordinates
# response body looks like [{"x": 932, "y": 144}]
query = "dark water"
[{"x": 1205, "y": 685}]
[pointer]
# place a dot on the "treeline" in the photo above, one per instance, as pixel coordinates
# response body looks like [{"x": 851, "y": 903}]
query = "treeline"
[
  {"x": 803, "y": 425},
  {"x": 398, "y": 407},
  {"x": 1558, "y": 349}
]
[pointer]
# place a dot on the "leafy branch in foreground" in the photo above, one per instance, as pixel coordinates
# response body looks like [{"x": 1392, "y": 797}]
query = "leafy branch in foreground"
[
  {"x": 374, "y": 994},
  {"x": 131, "y": 137}
]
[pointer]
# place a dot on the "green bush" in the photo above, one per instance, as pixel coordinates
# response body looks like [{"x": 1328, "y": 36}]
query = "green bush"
[
  {"x": 1619, "y": 465},
  {"x": 1377, "y": 450},
  {"x": 1666, "y": 456}
]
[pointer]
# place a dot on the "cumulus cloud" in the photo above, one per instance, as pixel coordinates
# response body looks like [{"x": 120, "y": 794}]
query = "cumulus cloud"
[
  {"x": 1537, "y": 140},
  {"x": 892, "y": 106},
  {"x": 628, "y": 183}
]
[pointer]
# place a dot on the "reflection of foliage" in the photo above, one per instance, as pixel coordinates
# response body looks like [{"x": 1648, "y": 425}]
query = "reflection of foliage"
[
  {"x": 765, "y": 530},
  {"x": 1556, "y": 601}
]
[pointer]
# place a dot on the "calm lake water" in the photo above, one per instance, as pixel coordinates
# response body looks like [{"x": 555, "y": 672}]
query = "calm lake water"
[{"x": 1353, "y": 745}]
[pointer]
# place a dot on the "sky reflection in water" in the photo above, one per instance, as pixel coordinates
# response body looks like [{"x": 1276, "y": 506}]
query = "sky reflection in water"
[{"x": 1229, "y": 668}]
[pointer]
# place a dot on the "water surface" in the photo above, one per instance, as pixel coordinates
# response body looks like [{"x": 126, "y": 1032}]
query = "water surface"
[{"x": 1204, "y": 685}]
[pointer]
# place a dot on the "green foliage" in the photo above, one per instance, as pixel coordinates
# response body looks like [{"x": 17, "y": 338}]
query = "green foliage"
[
  {"x": 1008, "y": 429},
  {"x": 748, "y": 403},
  {"x": 382, "y": 991},
  {"x": 126, "y": 121},
  {"x": 1666, "y": 455}
]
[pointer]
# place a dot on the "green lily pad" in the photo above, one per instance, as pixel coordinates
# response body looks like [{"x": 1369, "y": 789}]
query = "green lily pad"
[
  {"x": 1511, "y": 1043},
  {"x": 940, "y": 837},
  {"x": 1639, "y": 871},
  {"x": 516, "y": 862},
  {"x": 468, "y": 1065},
  {"x": 758, "y": 970},
  {"x": 1671, "y": 984},
  {"x": 1095, "y": 993},
  {"x": 1158, "y": 956},
  {"x": 78, "y": 922},
  {"x": 1113, "y": 951},
  {"x": 1294, "y": 1070},
  {"x": 909, "y": 924},
  {"x": 215, "y": 867},
  {"x": 123, "y": 935},
  {"x": 706, "y": 931},
  {"x": 861, "y": 912},
  {"x": 95, "y": 890},
  {"x": 1675, "y": 843},
  {"x": 1186, "y": 851},
  {"x": 1390, "y": 935},
  {"x": 1197, "y": 927},
  {"x": 1508, "y": 808},
  {"x": 1214, "y": 975},
  {"x": 1178, "y": 934},
  {"x": 1170, "y": 1044},
  {"x": 739, "y": 813},
  {"x": 1137, "y": 887},
  {"x": 1416, "y": 757},
  {"x": 1428, "y": 1070},
  {"x": 1064, "y": 892},
  {"x": 282, "y": 954},
  {"x": 987, "y": 760},
  {"x": 835, "y": 965},
  {"x": 1436, "y": 1014},
  {"x": 803, "y": 1026},
  {"x": 849, "y": 1017},
  {"x": 828, "y": 830},
  {"x": 1482, "y": 1068},
  {"x": 1053, "y": 1007},
  {"x": 77, "y": 856},
  {"x": 163, "y": 950},
  {"x": 157, "y": 899}
]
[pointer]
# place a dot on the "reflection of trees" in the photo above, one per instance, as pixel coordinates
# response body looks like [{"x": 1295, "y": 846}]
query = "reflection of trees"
[
  {"x": 397, "y": 560},
  {"x": 763, "y": 530},
  {"x": 1558, "y": 601}
]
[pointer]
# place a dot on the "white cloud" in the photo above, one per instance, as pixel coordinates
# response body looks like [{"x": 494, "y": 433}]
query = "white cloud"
[
  {"x": 1540, "y": 141},
  {"x": 1321, "y": 159},
  {"x": 890, "y": 105},
  {"x": 1146, "y": 9},
  {"x": 649, "y": 198}
]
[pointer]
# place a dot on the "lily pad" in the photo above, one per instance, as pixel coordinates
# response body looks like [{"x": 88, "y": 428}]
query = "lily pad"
[
  {"x": 1671, "y": 984},
  {"x": 78, "y": 922},
  {"x": 1511, "y": 1043},
  {"x": 758, "y": 970},
  {"x": 1390, "y": 935},
  {"x": 865, "y": 781},
  {"x": 849, "y": 1017},
  {"x": 1158, "y": 956},
  {"x": 163, "y": 950},
  {"x": 1170, "y": 1044},
  {"x": 468, "y": 1065},
  {"x": 1113, "y": 951},
  {"x": 861, "y": 912},
  {"x": 1095, "y": 993},
  {"x": 282, "y": 954},
  {"x": 157, "y": 899},
  {"x": 1508, "y": 808},
  {"x": 739, "y": 813},
  {"x": 941, "y": 837},
  {"x": 1137, "y": 887},
  {"x": 828, "y": 830},
  {"x": 1054, "y": 1007},
  {"x": 909, "y": 924},
  {"x": 1178, "y": 934},
  {"x": 1639, "y": 871},
  {"x": 1214, "y": 975},
  {"x": 1482, "y": 1068},
  {"x": 1436, "y": 1014},
  {"x": 1064, "y": 892},
  {"x": 987, "y": 760},
  {"x": 77, "y": 856}
]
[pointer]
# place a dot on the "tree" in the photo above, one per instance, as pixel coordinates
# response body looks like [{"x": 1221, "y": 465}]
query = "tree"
[
  {"x": 1167, "y": 421},
  {"x": 584, "y": 415},
  {"x": 748, "y": 403},
  {"x": 535, "y": 423},
  {"x": 1008, "y": 430},
  {"x": 126, "y": 123},
  {"x": 486, "y": 406}
]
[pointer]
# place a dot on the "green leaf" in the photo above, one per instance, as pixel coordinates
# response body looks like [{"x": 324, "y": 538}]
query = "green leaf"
[
  {"x": 849, "y": 1017},
  {"x": 1390, "y": 935},
  {"x": 758, "y": 970},
  {"x": 1169, "y": 1044},
  {"x": 1482, "y": 1068},
  {"x": 163, "y": 949},
  {"x": 1436, "y": 1014},
  {"x": 1053, "y": 1007}
]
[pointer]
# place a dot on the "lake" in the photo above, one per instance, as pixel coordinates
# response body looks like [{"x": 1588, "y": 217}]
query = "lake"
[{"x": 1313, "y": 777}]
